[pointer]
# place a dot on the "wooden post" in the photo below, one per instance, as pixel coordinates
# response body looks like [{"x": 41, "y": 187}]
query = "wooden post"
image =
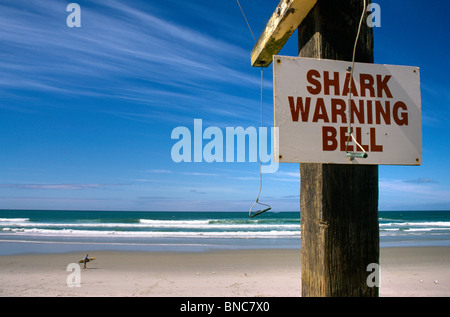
[{"x": 338, "y": 203}]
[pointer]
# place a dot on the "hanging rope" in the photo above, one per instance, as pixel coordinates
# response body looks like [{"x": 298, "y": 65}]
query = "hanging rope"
[
  {"x": 350, "y": 155},
  {"x": 254, "y": 38},
  {"x": 266, "y": 207}
]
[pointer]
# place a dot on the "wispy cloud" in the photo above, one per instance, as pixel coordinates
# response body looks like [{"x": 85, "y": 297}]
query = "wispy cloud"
[
  {"x": 421, "y": 181},
  {"x": 162, "y": 171},
  {"x": 59, "y": 186},
  {"x": 122, "y": 51},
  {"x": 424, "y": 190},
  {"x": 283, "y": 176}
]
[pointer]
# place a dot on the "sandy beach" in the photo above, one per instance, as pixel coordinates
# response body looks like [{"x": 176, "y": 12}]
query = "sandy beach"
[{"x": 414, "y": 271}]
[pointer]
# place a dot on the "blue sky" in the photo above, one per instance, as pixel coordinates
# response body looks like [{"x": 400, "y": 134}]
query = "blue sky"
[{"x": 86, "y": 114}]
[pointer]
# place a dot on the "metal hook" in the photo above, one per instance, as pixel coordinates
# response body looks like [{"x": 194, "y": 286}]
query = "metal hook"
[
  {"x": 351, "y": 156},
  {"x": 257, "y": 213}
]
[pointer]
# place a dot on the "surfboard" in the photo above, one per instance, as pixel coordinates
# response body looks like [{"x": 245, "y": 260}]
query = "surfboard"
[{"x": 88, "y": 260}]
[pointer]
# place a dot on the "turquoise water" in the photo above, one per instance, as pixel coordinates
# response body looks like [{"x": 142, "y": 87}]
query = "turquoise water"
[{"x": 38, "y": 231}]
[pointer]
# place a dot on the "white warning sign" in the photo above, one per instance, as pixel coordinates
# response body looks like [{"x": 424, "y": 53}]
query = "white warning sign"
[{"x": 314, "y": 116}]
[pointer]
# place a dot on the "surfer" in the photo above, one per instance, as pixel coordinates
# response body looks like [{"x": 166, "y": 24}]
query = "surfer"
[{"x": 86, "y": 260}]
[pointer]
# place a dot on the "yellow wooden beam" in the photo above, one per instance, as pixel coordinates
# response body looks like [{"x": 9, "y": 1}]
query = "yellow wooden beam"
[{"x": 284, "y": 21}]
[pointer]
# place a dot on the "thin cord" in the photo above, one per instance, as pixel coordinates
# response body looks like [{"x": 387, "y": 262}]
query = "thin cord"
[
  {"x": 260, "y": 162},
  {"x": 254, "y": 38},
  {"x": 260, "y": 146},
  {"x": 350, "y": 87}
]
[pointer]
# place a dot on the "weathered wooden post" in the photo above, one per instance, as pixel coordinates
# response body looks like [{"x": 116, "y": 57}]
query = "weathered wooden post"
[{"x": 338, "y": 203}]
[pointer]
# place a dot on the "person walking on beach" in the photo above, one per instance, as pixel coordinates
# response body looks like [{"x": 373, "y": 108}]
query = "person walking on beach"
[{"x": 86, "y": 259}]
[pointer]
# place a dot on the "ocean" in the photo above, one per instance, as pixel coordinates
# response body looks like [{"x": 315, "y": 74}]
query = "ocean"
[{"x": 45, "y": 231}]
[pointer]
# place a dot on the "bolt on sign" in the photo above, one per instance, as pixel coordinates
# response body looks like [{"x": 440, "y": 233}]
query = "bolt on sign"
[{"x": 312, "y": 112}]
